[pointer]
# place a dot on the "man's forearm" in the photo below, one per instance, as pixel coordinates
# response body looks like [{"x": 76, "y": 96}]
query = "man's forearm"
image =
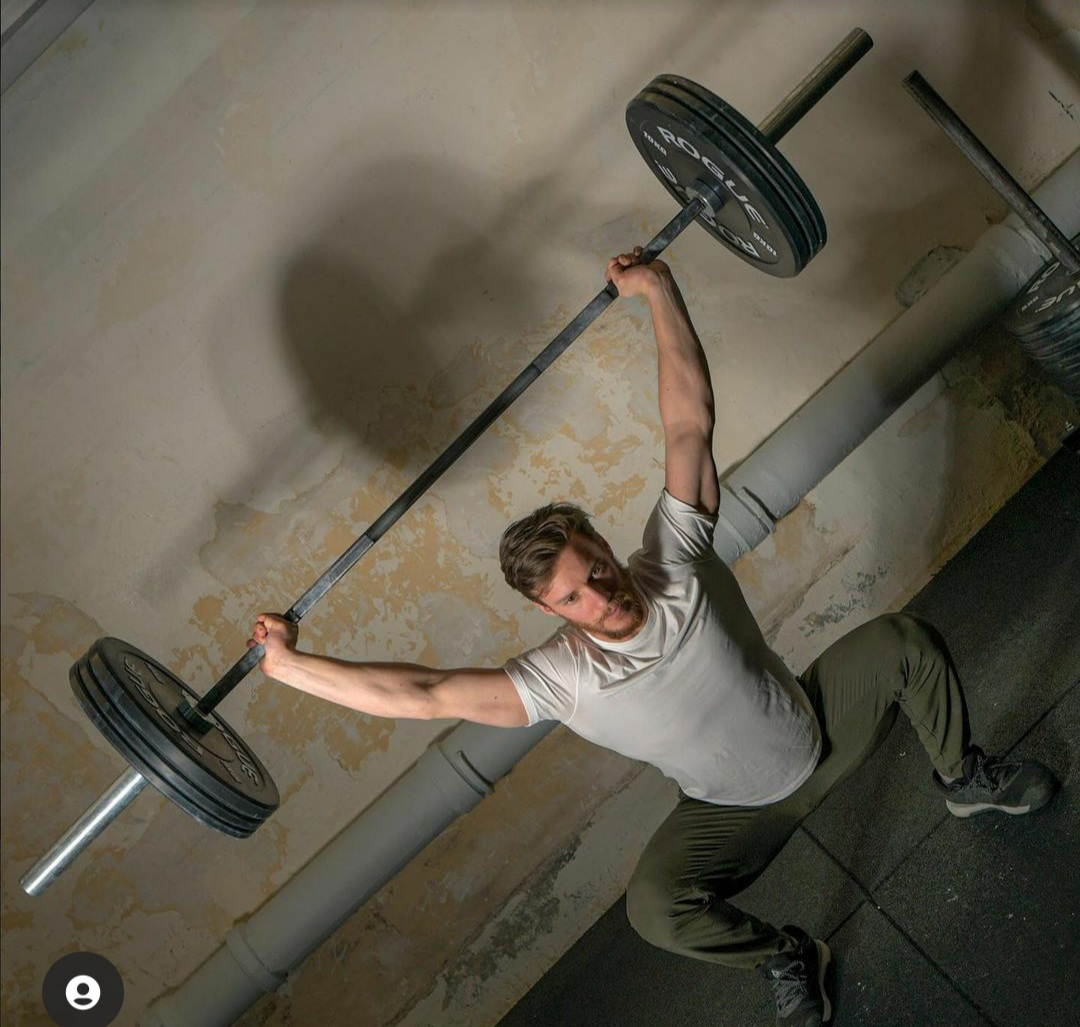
[
  {"x": 381, "y": 689},
  {"x": 685, "y": 389}
]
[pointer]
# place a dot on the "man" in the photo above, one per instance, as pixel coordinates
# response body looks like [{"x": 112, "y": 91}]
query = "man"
[{"x": 663, "y": 661}]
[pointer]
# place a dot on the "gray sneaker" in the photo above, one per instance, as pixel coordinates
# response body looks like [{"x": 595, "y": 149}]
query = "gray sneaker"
[
  {"x": 802, "y": 982},
  {"x": 997, "y": 783}
]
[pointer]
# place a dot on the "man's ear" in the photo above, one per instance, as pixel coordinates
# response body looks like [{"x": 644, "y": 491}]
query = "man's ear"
[{"x": 544, "y": 608}]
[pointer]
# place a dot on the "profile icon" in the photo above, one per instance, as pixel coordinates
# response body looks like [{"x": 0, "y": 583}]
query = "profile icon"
[
  {"x": 82, "y": 992},
  {"x": 82, "y": 989}
]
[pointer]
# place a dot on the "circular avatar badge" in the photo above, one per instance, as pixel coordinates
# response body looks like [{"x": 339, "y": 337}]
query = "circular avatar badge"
[{"x": 82, "y": 989}]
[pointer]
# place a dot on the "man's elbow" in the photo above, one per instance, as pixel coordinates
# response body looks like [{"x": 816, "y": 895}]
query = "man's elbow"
[{"x": 691, "y": 432}]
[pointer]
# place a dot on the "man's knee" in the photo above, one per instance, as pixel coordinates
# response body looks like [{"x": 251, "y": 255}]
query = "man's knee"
[
  {"x": 919, "y": 638},
  {"x": 651, "y": 908}
]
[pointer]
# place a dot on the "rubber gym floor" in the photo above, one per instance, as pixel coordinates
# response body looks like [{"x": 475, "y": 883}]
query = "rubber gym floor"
[{"x": 933, "y": 921}]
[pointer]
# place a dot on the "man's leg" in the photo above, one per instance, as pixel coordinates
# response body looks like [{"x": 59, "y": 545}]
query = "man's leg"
[
  {"x": 704, "y": 854},
  {"x": 902, "y": 660},
  {"x": 895, "y": 662},
  {"x": 699, "y": 856}
]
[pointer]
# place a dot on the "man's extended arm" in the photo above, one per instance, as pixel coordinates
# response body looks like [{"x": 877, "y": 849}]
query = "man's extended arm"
[
  {"x": 485, "y": 696},
  {"x": 685, "y": 390}
]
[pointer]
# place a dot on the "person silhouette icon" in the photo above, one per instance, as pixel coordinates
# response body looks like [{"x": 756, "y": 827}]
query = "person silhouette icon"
[{"x": 82, "y": 992}]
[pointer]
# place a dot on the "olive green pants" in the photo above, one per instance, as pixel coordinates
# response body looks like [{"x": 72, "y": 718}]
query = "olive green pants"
[{"x": 703, "y": 854}]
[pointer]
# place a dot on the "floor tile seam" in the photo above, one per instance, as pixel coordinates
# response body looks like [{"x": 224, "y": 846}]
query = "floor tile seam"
[
  {"x": 946, "y": 818},
  {"x": 861, "y": 904},
  {"x": 834, "y": 859},
  {"x": 1069, "y": 689},
  {"x": 900, "y": 929},
  {"x": 867, "y": 889},
  {"x": 943, "y": 818}
]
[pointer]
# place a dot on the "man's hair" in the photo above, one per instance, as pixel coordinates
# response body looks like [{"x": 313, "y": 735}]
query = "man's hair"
[{"x": 529, "y": 547}]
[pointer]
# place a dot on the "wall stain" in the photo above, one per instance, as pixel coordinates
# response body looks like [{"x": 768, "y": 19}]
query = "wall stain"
[
  {"x": 776, "y": 576},
  {"x": 859, "y": 591},
  {"x": 244, "y": 139},
  {"x": 155, "y": 265}
]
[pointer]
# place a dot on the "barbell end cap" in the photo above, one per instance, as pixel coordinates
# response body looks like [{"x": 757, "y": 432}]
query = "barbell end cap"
[{"x": 708, "y": 194}]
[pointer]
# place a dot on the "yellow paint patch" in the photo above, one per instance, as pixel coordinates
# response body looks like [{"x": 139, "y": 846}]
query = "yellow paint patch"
[
  {"x": 773, "y": 577},
  {"x": 54, "y": 625},
  {"x": 72, "y": 42},
  {"x": 617, "y": 494}
]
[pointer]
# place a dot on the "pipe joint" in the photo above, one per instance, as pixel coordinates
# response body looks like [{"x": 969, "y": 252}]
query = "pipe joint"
[
  {"x": 465, "y": 770},
  {"x": 239, "y": 946}
]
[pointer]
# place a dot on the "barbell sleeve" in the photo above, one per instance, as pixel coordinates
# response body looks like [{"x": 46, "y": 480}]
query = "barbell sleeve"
[
  {"x": 848, "y": 52},
  {"x": 110, "y": 804}
]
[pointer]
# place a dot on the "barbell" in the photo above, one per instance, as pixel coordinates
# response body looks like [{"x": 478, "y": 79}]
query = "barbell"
[
  {"x": 727, "y": 175},
  {"x": 1044, "y": 317}
]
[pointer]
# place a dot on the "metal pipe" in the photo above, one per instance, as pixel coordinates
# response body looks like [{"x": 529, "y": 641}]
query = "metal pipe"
[
  {"x": 836, "y": 419},
  {"x": 1011, "y": 191}
]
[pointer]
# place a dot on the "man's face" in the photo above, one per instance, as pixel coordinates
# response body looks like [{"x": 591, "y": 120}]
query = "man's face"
[{"x": 591, "y": 589}]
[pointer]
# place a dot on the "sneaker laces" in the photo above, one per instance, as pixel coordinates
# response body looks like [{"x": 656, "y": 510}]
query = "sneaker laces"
[
  {"x": 992, "y": 772},
  {"x": 790, "y": 986}
]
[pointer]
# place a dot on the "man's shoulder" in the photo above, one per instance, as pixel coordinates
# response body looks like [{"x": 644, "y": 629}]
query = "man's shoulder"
[{"x": 677, "y": 533}]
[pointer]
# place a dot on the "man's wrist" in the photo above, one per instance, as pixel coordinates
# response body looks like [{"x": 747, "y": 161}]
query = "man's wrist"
[
  {"x": 662, "y": 289},
  {"x": 283, "y": 663}
]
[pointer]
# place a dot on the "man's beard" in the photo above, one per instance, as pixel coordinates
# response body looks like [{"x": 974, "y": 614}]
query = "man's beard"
[{"x": 629, "y": 599}]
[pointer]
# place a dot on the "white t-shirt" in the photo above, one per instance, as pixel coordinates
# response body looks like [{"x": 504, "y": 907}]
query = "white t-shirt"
[{"x": 696, "y": 692}]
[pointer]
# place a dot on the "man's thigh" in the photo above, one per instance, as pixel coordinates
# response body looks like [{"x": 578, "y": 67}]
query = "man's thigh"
[{"x": 705, "y": 849}]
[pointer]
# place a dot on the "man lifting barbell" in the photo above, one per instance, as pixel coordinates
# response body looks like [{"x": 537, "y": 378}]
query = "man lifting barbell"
[{"x": 662, "y": 661}]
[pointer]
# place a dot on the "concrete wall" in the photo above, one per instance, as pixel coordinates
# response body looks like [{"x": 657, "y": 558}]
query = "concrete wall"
[{"x": 262, "y": 261}]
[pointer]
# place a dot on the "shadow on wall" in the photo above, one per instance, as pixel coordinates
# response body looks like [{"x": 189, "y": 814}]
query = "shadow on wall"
[
  {"x": 364, "y": 357},
  {"x": 384, "y": 315},
  {"x": 1059, "y": 38}
]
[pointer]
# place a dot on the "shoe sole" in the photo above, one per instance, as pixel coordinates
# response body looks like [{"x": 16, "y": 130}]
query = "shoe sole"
[
  {"x": 824, "y": 962},
  {"x": 972, "y": 809}
]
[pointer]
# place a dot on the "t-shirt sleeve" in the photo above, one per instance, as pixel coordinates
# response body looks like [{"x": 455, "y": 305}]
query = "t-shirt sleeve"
[
  {"x": 546, "y": 680},
  {"x": 676, "y": 533}
]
